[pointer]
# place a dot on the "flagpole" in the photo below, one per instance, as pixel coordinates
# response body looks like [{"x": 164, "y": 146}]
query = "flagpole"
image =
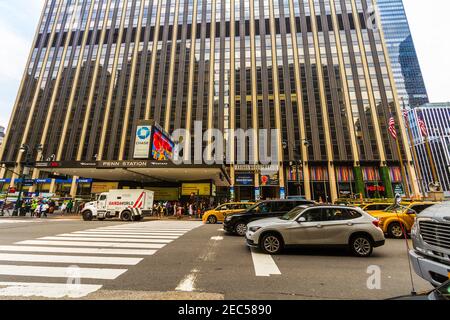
[
  {"x": 430, "y": 157},
  {"x": 414, "y": 151},
  {"x": 402, "y": 167}
]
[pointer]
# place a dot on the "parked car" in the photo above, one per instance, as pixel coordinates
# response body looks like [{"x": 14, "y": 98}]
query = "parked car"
[
  {"x": 431, "y": 241},
  {"x": 318, "y": 225},
  {"x": 218, "y": 214},
  {"x": 237, "y": 223},
  {"x": 397, "y": 219}
]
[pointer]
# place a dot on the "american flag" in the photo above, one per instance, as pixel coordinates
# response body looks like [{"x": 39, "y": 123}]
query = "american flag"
[
  {"x": 422, "y": 127},
  {"x": 405, "y": 114},
  {"x": 392, "y": 129}
]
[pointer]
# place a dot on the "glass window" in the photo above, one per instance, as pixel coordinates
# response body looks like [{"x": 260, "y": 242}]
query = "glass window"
[{"x": 313, "y": 215}]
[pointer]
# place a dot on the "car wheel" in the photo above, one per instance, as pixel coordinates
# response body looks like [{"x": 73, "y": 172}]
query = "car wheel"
[
  {"x": 126, "y": 216},
  {"x": 212, "y": 219},
  {"x": 241, "y": 229},
  {"x": 395, "y": 230},
  {"x": 272, "y": 244},
  {"x": 361, "y": 246},
  {"x": 88, "y": 216}
]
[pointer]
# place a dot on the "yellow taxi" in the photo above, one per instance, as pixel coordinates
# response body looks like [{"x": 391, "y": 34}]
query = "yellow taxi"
[
  {"x": 219, "y": 214},
  {"x": 375, "y": 206},
  {"x": 397, "y": 219}
]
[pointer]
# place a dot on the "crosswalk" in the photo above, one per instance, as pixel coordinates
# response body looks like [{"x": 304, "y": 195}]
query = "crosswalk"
[
  {"x": 11, "y": 221},
  {"x": 74, "y": 265}
]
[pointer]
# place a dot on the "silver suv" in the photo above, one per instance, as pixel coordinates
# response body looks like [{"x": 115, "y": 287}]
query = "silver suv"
[
  {"x": 318, "y": 225},
  {"x": 431, "y": 239}
]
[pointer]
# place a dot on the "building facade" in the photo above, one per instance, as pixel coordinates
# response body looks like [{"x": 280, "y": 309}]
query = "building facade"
[
  {"x": 313, "y": 69},
  {"x": 2, "y": 134},
  {"x": 405, "y": 64},
  {"x": 436, "y": 117}
]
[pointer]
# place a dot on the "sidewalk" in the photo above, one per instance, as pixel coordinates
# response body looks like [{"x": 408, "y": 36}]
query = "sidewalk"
[{"x": 75, "y": 216}]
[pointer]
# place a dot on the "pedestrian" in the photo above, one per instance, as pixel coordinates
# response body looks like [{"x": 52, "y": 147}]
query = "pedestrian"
[
  {"x": 175, "y": 209},
  {"x": 44, "y": 210},
  {"x": 191, "y": 210},
  {"x": 69, "y": 206},
  {"x": 161, "y": 210},
  {"x": 63, "y": 208}
]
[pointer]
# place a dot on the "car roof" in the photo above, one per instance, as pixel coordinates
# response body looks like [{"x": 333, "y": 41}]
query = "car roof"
[{"x": 327, "y": 206}]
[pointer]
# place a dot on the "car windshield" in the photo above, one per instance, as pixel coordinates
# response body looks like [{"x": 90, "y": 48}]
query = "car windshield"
[
  {"x": 394, "y": 208},
  {"x": 291, "y": 215}
]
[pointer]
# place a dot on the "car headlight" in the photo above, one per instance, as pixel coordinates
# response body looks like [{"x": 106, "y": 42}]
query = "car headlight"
[
  {"x": 228, "y": 218},
  {"x": 254, "y": 229}
]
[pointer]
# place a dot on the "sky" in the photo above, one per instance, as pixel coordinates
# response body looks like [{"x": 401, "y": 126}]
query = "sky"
[{"x": 428, "y": 22}]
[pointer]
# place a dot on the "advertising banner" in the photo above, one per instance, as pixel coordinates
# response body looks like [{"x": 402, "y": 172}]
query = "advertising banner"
[
  {"x": 142, "y": 144},
  {"x": 165, "y": 194},
  {"x": 199, "y": 189},
  {"x": 162, "y": 146},
  {"x": 245, "y": 179},
  {"x": 100, "y": 187}
]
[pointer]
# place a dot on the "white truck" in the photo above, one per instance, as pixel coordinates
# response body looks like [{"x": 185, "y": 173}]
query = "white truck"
[{"x": 127, "y": 205}]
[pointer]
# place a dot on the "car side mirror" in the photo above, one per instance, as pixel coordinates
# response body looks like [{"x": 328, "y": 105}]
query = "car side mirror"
[
  {"x": 301, "y": 220},
  {"x": 412, "y": 212}
]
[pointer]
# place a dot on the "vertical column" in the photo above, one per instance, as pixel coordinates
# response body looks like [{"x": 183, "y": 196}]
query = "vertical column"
[
  {"x": 153, "y": 61},
  {"x": 356, "y": 159},
  {"x": 409, "y": 165},
  {"x": 231, "y": 139},
  {"x": 94, "y": 83},
  {"x": 276, "y": 90},
  {"x": 212, "y": 60},
  {"x": 113, "y": 82},
  {"x": 323, "y": 103},
  {"x": 188, "y": 140},
  {"x": 173, "y": 53},
  {"x": 75, "y": 84},
  {"x": 137, "y": 41},
  {"x": 376, "y": 123},
  {"x": 299, "y": 93},
  {"x": 254, "y": 84},
  {"x": 56, "y": 86}
]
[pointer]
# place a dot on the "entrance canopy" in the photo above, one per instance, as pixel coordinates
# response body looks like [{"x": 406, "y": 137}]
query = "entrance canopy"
[{"x": 139, "y": 171}]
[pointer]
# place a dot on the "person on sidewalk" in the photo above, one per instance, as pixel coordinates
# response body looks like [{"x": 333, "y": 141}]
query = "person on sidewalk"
[{"x": 69, "y": 206}]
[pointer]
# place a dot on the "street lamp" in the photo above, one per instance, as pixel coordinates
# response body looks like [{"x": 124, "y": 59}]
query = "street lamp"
[{"x": 25, "y": 149}]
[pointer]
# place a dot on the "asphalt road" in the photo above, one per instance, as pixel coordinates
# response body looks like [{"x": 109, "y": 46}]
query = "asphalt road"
[{"x": 68, "y": 258}]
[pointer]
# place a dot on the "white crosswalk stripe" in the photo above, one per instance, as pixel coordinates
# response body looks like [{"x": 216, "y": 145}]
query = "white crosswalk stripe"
[
  {"x": 97, "y": 244},
  {"x": 123, "y": 240},
  {"x": 5, "y": 221},
  {"x": 58, "y": 257}
]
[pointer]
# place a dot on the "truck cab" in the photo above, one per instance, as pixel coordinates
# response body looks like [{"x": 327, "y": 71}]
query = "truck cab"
[{"x": 431, "y": 240}]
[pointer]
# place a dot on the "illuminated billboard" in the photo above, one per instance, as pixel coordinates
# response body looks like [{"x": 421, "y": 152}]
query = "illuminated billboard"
[{"x": 162, "y": 146}]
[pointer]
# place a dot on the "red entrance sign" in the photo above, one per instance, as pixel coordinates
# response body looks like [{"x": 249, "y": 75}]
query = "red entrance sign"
[{"x": 376, "y": 188}]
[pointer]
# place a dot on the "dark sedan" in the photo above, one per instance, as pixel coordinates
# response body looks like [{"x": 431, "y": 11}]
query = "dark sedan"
[{"x": 237, "y": 223}]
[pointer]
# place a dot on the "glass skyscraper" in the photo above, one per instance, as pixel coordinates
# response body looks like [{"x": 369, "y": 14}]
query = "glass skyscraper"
[
  {"x": 313, "y": 69},
  {"x": 405, "y": 64}
]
